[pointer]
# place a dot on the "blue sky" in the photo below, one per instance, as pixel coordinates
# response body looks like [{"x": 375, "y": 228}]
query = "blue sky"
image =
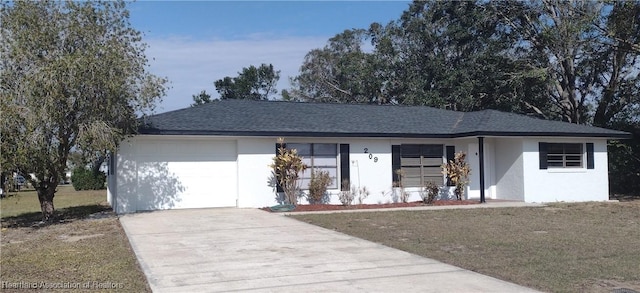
[{"x": 194, "y": 43}]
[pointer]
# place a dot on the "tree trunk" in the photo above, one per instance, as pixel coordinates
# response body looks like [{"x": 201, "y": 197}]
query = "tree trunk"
[
  {"x": 96, "y": 164},
  {"x": 2, "y": 182},
  {"x": 45, "y": 196}
]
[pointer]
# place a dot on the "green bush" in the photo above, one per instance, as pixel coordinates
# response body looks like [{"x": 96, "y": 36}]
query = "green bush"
[{"x": 85, "y": 179}]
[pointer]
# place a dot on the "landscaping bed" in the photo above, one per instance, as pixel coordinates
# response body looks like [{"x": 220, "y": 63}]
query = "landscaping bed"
[{"x": 335, "y": 207}]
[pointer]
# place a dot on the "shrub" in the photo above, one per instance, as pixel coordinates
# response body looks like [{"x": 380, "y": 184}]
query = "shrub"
[
  {"x": 361, "y": 193},
  {"x": 345, "y": 196},
  {"x": 287, "y": 165},
  {"x": 458, "y": 172},
  {"x": 320, "y": 181},
  {"x": 85, "y": 179},
  {"x": 430, "y": 192},
  {"x": 404, "y": 195},
  {"x": 350, "y": 193}
]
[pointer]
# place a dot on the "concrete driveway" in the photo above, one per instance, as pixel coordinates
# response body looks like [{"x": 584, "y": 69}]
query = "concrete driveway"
[{"x": 216, "y": 250}]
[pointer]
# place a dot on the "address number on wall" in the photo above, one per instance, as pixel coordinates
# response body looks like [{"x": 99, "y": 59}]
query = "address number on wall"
[{"x": 371, "y": 156}]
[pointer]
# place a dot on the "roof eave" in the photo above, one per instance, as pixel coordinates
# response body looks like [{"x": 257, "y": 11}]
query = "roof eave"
[
  {"x": 622, "y": 135},
  {"x": 291, "y": 134}
]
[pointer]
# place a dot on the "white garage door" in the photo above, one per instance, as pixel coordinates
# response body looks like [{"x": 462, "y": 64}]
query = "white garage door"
[{"x": 181, "y": 173}]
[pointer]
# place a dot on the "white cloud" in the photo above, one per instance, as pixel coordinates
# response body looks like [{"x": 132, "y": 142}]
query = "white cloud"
[{"x": 193, "y": 65}]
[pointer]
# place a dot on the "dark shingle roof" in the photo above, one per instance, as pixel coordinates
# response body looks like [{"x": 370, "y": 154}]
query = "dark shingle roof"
[{"x": 279, "y": 118}]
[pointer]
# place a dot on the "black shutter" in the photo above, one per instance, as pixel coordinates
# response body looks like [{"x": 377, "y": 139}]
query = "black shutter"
[
  {"x": 395, "y": 162},
  {"x": 451, "y": 154},
  {"x": 590, "y": 155},
  {"x": 542, "y": 150},
  {"x": 112, "y": 163},
  {"x": 278, "y": 187},
  {"x": 344, "y": 167}
]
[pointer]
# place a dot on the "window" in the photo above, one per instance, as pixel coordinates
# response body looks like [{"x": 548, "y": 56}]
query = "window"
[
  {"x": 420, "y": 163},
  {"x": 319, "y": 157},
  {"x": 563, "y": 155}
]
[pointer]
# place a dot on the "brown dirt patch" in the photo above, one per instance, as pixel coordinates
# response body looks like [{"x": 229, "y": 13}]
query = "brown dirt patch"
[{"x": 83, "y": 251}]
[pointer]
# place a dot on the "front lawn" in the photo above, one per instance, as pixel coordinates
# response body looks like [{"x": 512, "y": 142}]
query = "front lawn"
[
  {"x": 586, "y": 247},
  {"x": 85, "y": 250}
]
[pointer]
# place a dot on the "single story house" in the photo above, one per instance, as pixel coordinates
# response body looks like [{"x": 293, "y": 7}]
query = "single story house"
[{"x": 218, "y": 154}]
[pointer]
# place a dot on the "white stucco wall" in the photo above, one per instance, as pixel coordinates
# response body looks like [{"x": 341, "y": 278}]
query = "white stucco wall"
[
  {"x": 509, "y": 169},
  {"x": 160, "y": 172},
  {"x": 473, "y": 158},
  {"x": 366, "y": 172},
  {"x": 569, "y": 184},
  {"x": 256, "y": 185},
  {"x": 256, "y": 189}
]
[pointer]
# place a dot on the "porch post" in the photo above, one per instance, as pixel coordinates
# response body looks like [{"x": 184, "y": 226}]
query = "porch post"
[{"x": 481, "y": 173}]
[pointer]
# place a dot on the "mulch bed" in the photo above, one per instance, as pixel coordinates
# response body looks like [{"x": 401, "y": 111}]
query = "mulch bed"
[{"x": 331, "y": 207}]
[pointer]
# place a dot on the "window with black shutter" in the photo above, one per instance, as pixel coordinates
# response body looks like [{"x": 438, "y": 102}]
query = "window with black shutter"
[
  {"x": 565, "y": 155},
  {"x": 420, "y": 163}
]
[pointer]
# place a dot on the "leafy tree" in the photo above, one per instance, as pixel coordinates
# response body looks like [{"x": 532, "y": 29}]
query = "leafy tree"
[
  {"x": 455, "y": 55},
  {"x": 72, "y": 77},
  {"x": 575, "y": 61},
  {"x": 619, "y": 60},
  {"x": 591, "y": 68},
  {"x": 624, "y": 161},
  {"x": 340, "y": 72},
  {"x": 253, "y": 83},
  {"x": 442, "y": 54},
  {"x": 201, "y": 98}
]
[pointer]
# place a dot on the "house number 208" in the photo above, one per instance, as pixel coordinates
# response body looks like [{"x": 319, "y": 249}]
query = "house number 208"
[{"x": 371, "y": 157}]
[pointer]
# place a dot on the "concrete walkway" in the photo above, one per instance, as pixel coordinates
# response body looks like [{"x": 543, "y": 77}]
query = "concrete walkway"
[{"x": 226, "y": 250}]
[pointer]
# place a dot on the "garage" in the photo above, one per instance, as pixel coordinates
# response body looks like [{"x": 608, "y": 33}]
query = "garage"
[{"x": 167, "y": 173}]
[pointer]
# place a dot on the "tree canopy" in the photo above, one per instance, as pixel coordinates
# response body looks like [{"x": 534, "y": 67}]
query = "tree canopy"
[
  {"x": 72, "y": 77},
  {"x": 340, "y": 72},
  {"x": 576, "y": 61},
  {"x": 588, "y": 53},
  {"x": 254, "y": 83},
  {"x": 201, "y": 98}
]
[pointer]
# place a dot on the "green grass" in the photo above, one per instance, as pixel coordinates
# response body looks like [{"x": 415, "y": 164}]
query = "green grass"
[
  {"x": 22, "y": 202},
  {"x": 590, "y": 247},
  {"x": 86, "y": 246}
]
